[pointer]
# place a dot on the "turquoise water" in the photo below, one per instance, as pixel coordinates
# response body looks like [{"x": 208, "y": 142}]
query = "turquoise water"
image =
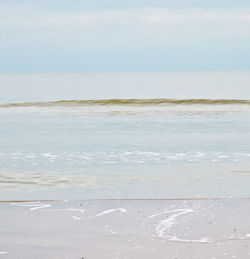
[{"x": 75, "y": 150}]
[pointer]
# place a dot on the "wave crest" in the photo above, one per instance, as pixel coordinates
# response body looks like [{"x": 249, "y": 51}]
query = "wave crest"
[{"x": 70, "y": 103}]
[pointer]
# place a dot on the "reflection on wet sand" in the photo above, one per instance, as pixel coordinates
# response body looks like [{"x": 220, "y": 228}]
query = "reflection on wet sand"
[{"x": 128, "y": 227}]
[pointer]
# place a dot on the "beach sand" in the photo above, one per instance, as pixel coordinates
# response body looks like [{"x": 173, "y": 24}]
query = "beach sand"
[{"x": 92, "y": 229}]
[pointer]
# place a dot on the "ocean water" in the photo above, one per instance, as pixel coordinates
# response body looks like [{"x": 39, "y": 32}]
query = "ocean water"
[{"x": 154, "y": 148}]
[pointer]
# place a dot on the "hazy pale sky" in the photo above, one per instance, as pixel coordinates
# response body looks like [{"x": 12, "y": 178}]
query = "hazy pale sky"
[
  {"x": 113, "y": 35},
  {"x": 177, "y": 85}
]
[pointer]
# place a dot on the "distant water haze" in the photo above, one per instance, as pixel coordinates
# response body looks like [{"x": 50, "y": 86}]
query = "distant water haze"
[{"x": 27, "y": 87}]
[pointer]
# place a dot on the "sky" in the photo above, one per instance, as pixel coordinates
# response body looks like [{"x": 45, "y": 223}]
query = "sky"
[
  {"x": 31, "y": 87},
  {"x": 124, "y": 36}
]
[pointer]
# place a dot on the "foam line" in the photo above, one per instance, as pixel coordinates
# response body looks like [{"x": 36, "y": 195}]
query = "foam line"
[
  {"x": 165, "y": 224},
  {"x": 33, "y": 205},
  {"x": 73, "y": 209},
  {"x": 121, "y": 210}
]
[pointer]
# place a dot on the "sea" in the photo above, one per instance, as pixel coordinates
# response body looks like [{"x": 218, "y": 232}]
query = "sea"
[{"x": 124, "y": 148}]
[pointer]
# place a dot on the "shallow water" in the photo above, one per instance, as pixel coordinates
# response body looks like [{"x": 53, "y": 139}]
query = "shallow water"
[{"x": 133, "y": 149}]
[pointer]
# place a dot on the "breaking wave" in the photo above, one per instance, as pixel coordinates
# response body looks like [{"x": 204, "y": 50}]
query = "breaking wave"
[{"x": 73, "y": 103}]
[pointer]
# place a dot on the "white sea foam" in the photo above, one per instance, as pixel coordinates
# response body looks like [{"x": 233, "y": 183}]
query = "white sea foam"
[
  {"x": 49, "y": 155},
  {"x": 73, "y": 209},
  {"x": 110, "y": 230},
  {"x": 33, "y": 205},
  {"x": 76, "y": 218},
  {"x": 121, "y": 210},
  {"x": 164, "y": 225},
  {"x": 110, "y": 157},
  {"x": 42, "y": 206},
  {"x": 200, "y": 240}
]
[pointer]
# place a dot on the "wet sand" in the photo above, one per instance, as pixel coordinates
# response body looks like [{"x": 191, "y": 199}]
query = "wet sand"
[{"x": 182, "y": 229}]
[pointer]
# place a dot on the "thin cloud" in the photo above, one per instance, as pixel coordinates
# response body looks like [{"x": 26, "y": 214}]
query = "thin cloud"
[{"x": 30, "y": 18}]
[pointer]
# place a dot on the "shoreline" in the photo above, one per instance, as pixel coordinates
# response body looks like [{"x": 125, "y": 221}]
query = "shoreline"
[
  {"x": 128, "y": 199},
  {"x": 110, "y": 228}
]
